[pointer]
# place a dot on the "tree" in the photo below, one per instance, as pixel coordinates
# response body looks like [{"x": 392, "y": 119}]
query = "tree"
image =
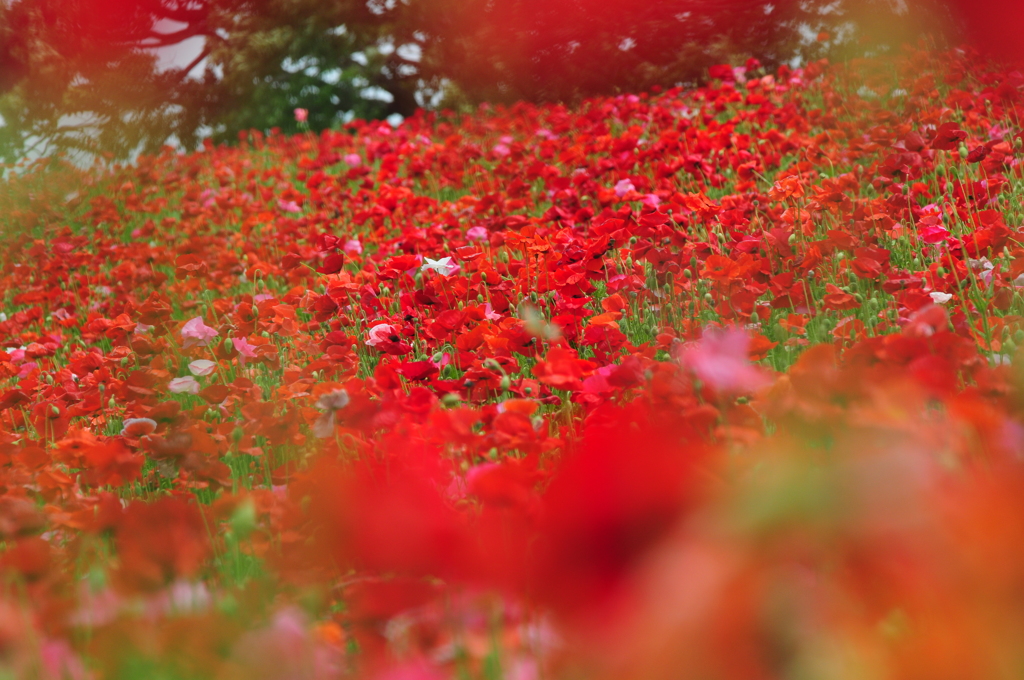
[
  {"x": 83, "y": 75},
  {"x": 565, "y": 49}
]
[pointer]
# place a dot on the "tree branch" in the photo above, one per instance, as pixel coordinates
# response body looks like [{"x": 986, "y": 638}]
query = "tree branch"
[
  {"x": 164, "y": 39},
  {"x": 195, "y": 62}
]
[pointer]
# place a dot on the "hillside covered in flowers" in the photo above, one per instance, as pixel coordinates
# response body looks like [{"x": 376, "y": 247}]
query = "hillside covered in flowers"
[{"x": 716, "y": 384}]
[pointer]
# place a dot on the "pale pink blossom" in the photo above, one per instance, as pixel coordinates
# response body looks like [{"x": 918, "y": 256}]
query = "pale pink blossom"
[
  {"x": 332, "y": 401},
  {"x": 179, "y": 597},
  {"x": 329, "y": 403},
  {"x": 353, "y": 247},
  {"x": 623, "y": 187},
  {"x": 95, "y": 608},
  {"x": 138, "y": 427},
  {"x": 456, "y": 489},
  {"x": 185, "y": 385},
  {"x": 209, "y": 197},
  {"x": 998, "y": 131},
  {"x": 720, "y": 361},
  {"x": 301, "y": 115},
  {"x": 195, "y": 332},
  {"x": 285, "y": 650},
  {"x": 289, "y": 206},
  {"x": 522, "y": 668},
  {"x": 353, "y": 160},
  {"x": 202, "y": 367}
]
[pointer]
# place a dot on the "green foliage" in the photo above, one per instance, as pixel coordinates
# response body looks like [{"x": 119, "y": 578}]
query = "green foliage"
[{"x": 298, "y": 56}]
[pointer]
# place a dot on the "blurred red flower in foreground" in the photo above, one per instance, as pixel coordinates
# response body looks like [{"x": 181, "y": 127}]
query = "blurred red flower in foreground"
[{"x": 160, "y": 541}]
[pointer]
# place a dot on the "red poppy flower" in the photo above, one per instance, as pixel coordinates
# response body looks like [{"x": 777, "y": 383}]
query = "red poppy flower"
[{"x": 947, "y": 137}]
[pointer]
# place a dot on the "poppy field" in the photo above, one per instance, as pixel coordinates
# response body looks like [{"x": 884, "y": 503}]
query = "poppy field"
[{"x": 716, "y": 383}]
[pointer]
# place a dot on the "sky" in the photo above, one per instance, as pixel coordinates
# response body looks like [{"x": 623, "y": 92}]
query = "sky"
[{"x": 182, "y": 54}]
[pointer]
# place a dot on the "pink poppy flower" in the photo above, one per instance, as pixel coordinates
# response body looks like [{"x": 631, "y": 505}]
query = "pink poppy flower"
[
  {"x": 489, "y": 313},
  {"x": 477, "y": 233},
  {"x": 197, "y": 333},
  {"x": 60, "y": 661},
  {"x": 329, "y": 404},
  {"x": 933, "y": 233},
  {"x": 186, "y": 385},
  {"x": 382, "y": 332},
  {"x": 138, "y": 427},
  {"x": 202, "y": 367},
  {"x": 301, "y": 115},
  {"x": 623, "y": 187},
  {"x": 245, "y": 349},
  {"x": 720, "y": 361}
]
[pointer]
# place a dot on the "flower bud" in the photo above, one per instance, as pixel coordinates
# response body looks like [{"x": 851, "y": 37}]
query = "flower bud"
[{"x": 244, "y": 518}]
